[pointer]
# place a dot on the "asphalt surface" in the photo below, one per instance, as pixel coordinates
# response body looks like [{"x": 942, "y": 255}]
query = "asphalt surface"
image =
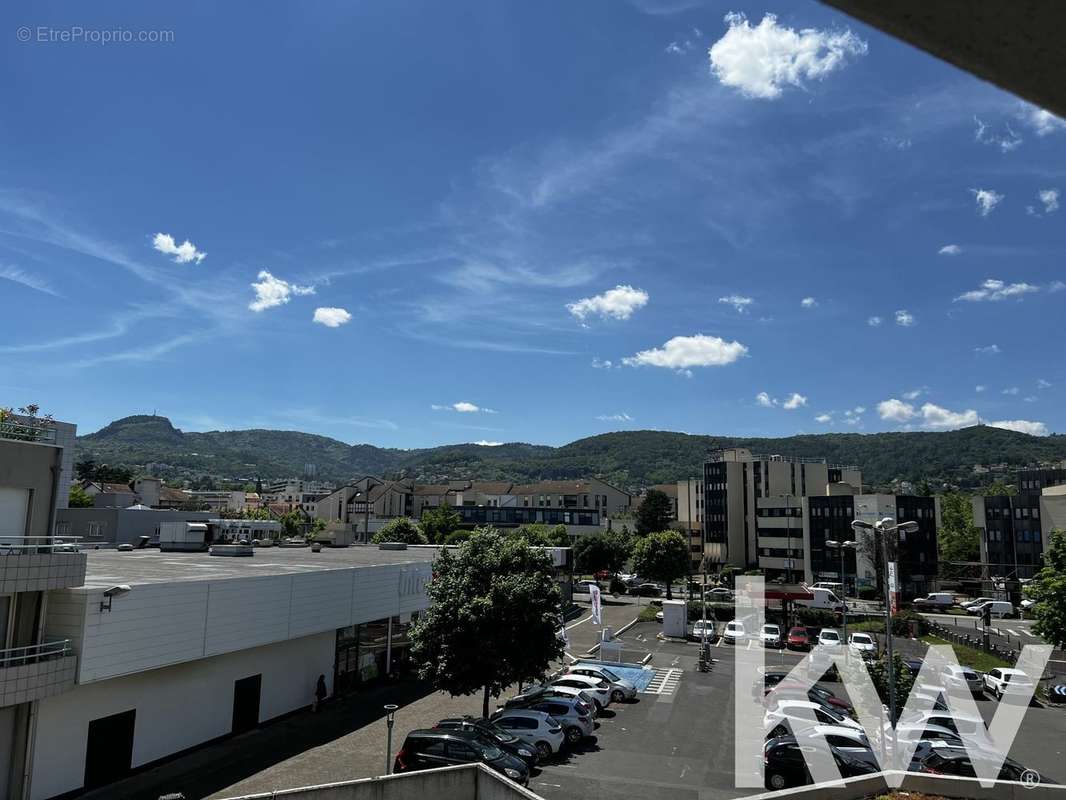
[{"x": 1012, "y": 634}]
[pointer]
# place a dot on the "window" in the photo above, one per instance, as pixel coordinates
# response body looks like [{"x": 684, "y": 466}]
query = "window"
[
  {"x": 94, "y": 529},
  {"x": 434, "y": 748}
]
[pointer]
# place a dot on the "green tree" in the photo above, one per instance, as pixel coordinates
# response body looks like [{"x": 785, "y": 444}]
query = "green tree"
[
  {"x": 400, "y": 529},
  {"x": 608, "y": 551},
  {"x": 539, "y": 535},
  {"x": 958, "y": 538},
  {"x": 999, "y": 489},
  {"x": 655, "y": 513},
  {"x": 292, "y": 523},
  {"x": 493, "y": 619},
  {"x": 1048, "y": 591},
  {"x": 437, "y": 523},
  {"x": 662, "y": 556},
  {"x": 79, "y": 498},
  {"x": 85, "y": 470},
  {"x": 903, "y": 679}
]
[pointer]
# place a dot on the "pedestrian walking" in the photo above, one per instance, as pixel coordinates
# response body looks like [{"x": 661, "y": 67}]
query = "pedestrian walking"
[{"x": 320, "y": 693}]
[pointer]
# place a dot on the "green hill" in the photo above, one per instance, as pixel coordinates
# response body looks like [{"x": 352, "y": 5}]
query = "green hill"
[{"x": 627, "y": 458}]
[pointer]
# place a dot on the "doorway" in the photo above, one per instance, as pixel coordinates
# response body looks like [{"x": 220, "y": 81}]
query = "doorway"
[
  {"x": 109, "y": 749},
  {"x": 246, "y": 703}
]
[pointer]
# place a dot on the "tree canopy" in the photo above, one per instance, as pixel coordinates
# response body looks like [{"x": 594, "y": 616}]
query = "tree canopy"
[
  {"x": 493, "y": 620},
  {"x": 540, "y": 535},
  {"x": 662, "y": 556},
  {"x": 400, "y": 529},
  {"x": 958, "y": 538},
  {"x": 79, "y": 498},
  {"x": 437, "y": 523},
  {"x": 1048, "y": 591},
  {"x": 608, "y": 551},
  {"x": 655, "y": 513}
]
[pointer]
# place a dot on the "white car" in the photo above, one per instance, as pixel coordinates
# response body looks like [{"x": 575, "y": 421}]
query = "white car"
[
  {"x": 535, "y": 728},
  {"x": 976, "y": 602},
  {"x": 719, "y": 593},
  {"x": 770, "y": 636},
  {"x": 851, "y": 741},
  {"x": 786, "y": 714},
  {"x": 997, "y": 609},
  {"x": 704, "y": 627},
  {"x": 909, "y": 733},
  {"x": 864, "y": 644},
  {"x": 573, "y": 693},
  {"x": 596, "y": 688},
  {"x": 935, "y": 600},
  {"x": 621, "y": 689},
  {"x": 829, "y": 638},
  {"x": 959, "y": 724},
  {"x": 1002, "y": 680},
  {"x": 962, "y": 678},
  {"x": 734, "y": 632}
]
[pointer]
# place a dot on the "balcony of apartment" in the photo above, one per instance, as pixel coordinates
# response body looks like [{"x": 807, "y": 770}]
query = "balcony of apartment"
[
  {"x": 36, "y": 671},
  {"x": 40, "y": 563},
  {"x": 20, "y": 429}
]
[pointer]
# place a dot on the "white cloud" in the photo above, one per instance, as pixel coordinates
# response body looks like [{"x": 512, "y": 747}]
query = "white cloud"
[
  {"x": 1011, "y": 390},
  {"x": 1056, "y": 286},
  {"x": 602, "y": 363},
  {"x": 987, "y": 200},
  {"x": 939, "y": 417},
  {"x": 271, "y": 292},
  {"x": 764, "y": 400},
  {"x": 331, "y": 317},
  {"x": 853, "y": 416},
  {"x": 979, "y": 388},
  {"x": 874, "y": 322},
  {"x": 1031, "y": 398},
  {"x": 14, "y": 274},
  {"x": 739, "y": 302},
  {"x": 790, "y": 403},
  {"x": 1006, "y": 141},
  {"x": 914, "y": 394},
  {"x": 988, "y": 350},
  {"x": 895, "y": 410},
  {"x": 1043, "y": 384},
  {"x": 825, "y": 419},
  {"x": 949, "y": 250},
  {"x": 486, "y": 443},
  {"x": 905, "y": 318},
  {"x": 794, "y": 401},
  {"x": 1042, "y": 122},
  {"x": 808, "y": 302},
  {"x": 761, "y": 61},
  {"x": 620, "y": 417},
  {"x": 1050, "y": 199},
  {"x": 994, "y": 290},
  {"x": 463, "y": 407},
  {"x": 681, "y": 352},
  {"x": 617, "y": 303},
  {"x": 183, "y": 253},
  {"x": 1022, "y": 426}
]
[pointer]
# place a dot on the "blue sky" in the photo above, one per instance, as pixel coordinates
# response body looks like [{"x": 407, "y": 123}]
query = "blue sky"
[{"x": 414, "y": 223}]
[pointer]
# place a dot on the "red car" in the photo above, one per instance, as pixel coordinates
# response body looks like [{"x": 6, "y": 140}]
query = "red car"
[{"x": 798, "y": 639}]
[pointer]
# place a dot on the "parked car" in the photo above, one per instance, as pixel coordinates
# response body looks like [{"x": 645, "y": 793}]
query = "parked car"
[
  {"x": 659, "y": 617},
  {"x": 959, "y": 723},
  {"x": 962, "y": 678},
  {"x": 770, "y": 636},
  {"x": 621, "y": 689},
  {"x": 586, "y": 585},
  {"x": 430, "y": 748},
  {"x": 536, "y": 728},
  {"x": 830, "y": 638},
  {"x": 816, "y": 694},
  {"x": 864, "y": 644},
  {"x": 574, "y": 714},
  {"x": 913, "y": 665},
  {"x": 597, "y": 688},
  {"x": 907, "y": 733},
  {"x": 1002, "y": 680},
  {"x": 646, "y": 590},
  {"x": 798, "y": 639},
  {"x": 719, "y": 594},
  {"x": 705, "y": 628},
  {"x": 849, "y": 741},
  {"x": 576, "y": 693},
  {"x": 787, "y": 712},
  {"x": 942, "y": 758},
  {"x": 935, "y": 600},
  {"x": 490, "y": 733},
  {"x": 998, "y": 608},
  {"x": 976, "y": 601},
  {"x": 786, "y": 768},
  {"x": 734, "y": 632}
]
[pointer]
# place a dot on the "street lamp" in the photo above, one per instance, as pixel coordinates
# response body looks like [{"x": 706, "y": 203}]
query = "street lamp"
[
  {"x": 842, "y": 546},
  {"x": 885, "y": 527},
  {"x": 390, "y": 718}
]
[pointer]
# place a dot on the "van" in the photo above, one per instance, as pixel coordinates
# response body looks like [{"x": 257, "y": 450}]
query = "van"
[
  {"x": 936, "y": 600},
  {"x": 822, "y": 598},
  {"x": 999, "y": 609}
]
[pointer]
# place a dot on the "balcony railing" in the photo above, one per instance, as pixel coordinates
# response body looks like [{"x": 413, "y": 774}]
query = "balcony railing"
[
  {"x": 34, "y": 653},
  {"x": 21, "y": 545},
  {"x": 27, "y": 432}
]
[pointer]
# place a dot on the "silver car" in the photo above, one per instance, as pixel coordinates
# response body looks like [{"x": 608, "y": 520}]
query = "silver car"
[
  {"x": 963, "y": 678},
  {"x": 574, "y": 714},
  {"x": 536, "y": 728},
  {"x": 621, "y": 689}
]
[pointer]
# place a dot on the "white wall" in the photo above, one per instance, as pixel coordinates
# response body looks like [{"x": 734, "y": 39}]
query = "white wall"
[{"x": 177, "y": 707}]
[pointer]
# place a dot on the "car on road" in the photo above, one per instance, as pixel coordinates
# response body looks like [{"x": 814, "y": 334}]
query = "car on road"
[
  {"x": 976, "y": 602},
  {"x": 645, "y": 590},
  {"x": 792, "y": 713},
  {"x": 621, "y": 689},
  {"x": 536, "y": 728},
  {"x": 704, "y": 628},
  {"x": 719, "y": 594},
  {"x": 785, "y": 766},
  {"x": 822, "y": 598},
  {"x": 597, "y": 688},
  {"x": 798, "y": 638},
  {"x": 864, "y": 644},
  {"x": 942, "y": 758},
  {"x": 734, "y": 632},
  {"x": 959, "y": 677},
  {"x": 997, "y": 608},
  {"x": 490, "y": 733},
  {"x": 1004, "y": 680},
  {"x": 586, "y": 586},
  {"x": 770, "y": 636},
  {"x": 431, "y": 748},
  {"x": 574, "y": 714},
  {"x": 935, "y": 600},
  {"x": 829, "y": 638}
]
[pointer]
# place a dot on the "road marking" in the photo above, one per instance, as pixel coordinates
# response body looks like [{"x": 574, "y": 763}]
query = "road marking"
[
  {"x": 1029, "y": 633},
  {"x": 664, "y": 682},
  {"x": 1012, "y": 633},
  {"x": 581, "y": 622}
]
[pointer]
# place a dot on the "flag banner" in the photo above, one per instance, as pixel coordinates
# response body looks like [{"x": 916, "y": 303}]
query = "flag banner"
[{"x": 597, "y": 611}]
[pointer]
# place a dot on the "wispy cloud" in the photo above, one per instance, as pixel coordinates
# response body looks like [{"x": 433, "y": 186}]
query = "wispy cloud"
[
  {"x": 874, "y": 322},
  {"x": 620, "y": 417},
  {"x": 1005, "y": 139},
  {"x": 932, "y": 416},
  {"x": 738, "y": 302},
  {"x": 463, "y": 407},
  {"x": 987, "y": 200},
  {"x": 1041, "y": 121},
  {"x": 994, "y": 290},
  {"x": 987, "y": 350},
  {"x": 809, "y": 302},
  {"x": 905, "y": 318},
  {"x": 949, "y": 250},
  {"x": 794, "y": 401},
  {"x": 10, "y": 272}
]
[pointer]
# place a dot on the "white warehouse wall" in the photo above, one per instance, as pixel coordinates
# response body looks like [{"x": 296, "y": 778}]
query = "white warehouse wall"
[{"x": 196, "y": 694}]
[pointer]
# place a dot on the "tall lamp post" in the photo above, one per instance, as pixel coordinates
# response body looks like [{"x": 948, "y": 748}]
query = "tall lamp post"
[
  {"x": 390, "y": 718},
  {"x": 885, "y": 528},
  {"x": 842, "y": 546}
]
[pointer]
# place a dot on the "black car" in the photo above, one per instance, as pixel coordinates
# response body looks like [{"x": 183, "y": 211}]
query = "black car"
[
  {"x": 491, "y": 733},
  {"x": 913, "y": 665},
  {"x": 785, "y": 767},
  {"x": 432, "y": 748},
  {"x": 942, "y": 758},
  {"x": 646, "y": 590}
]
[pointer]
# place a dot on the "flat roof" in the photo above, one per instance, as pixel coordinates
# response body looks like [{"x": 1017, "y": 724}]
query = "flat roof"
[{"x": 110, "y": 567}]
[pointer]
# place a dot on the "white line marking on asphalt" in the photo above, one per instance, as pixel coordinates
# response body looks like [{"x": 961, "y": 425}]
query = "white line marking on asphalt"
[
  {"x": 1012, "y": 633},
  {"x": 581, "y": 622},
  {"x": 1029, "y": 633},
  {"x": 553, "y": 785}
]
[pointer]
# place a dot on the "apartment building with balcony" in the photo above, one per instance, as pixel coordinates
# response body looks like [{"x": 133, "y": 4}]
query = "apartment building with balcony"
[{"x": 37, "y": 660}]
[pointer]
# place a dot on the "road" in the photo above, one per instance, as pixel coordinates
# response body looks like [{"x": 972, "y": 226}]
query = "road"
[{"x": 1012, "y": 634}]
